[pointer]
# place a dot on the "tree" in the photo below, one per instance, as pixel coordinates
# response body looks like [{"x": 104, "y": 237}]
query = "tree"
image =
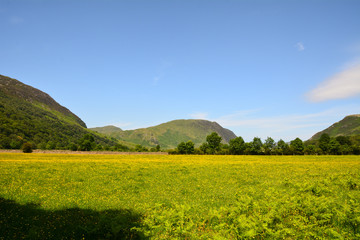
[
  {"x": 50, "y": 145},
  {"x": 186, "y": 147},
  {"x": 224, "y": 149},
  {"x": 181, "y": 148},
  {"x": 86, "y": 145},
  {"x": 190, "y": 147},
  {"x": 310, "y": 149},
  {"x": 27, "y": 147},
  {"x": 213, "y": 141},
  {"x": 334, "y": 147},
  {"x": 120, "y": 148},
  {"x": 237, "y": 146},
  {"x": 204, "y": 148},
  {"x": 297, "y": 146},
  {"x": 324, "y": 143},
  {"x": 282, "y": 147},
  {"x": 256, "y": 146},
  {"x": 87, "y": 142},
  {"x": 269, "y": 145},
  {"x": 343, "y": 140},
  {"x": 139, "y": 148},
  {"x": 72, "y": 147}
]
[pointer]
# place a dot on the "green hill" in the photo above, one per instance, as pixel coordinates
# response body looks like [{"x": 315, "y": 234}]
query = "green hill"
[
  {"x": 28, "y": 114},
  {"x": 108, "y": 130},
  {"x": 349, "y": 126},
  {"x": 169, "y": 135}
]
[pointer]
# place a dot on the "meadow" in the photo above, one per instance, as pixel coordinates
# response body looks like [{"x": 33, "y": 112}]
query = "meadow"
[{"x": 57, "y": 196}]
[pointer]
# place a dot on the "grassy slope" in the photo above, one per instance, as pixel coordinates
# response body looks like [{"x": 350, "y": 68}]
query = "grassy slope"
[
  {"x": 15, "y": 89},
  {"x": 108, "y": 130},
  {"x": 170, "y": 134},
  {"x": 29, "y": 114},
  {"x": 172, "y": 197},
  {"x": 348, "y": 126}
]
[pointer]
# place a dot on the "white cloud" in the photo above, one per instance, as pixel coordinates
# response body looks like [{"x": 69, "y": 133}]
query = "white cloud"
[
  {"x": 199, "y": 115},
  {"x": 300, "y": 46},
  {"x": 342, "y": 85}
]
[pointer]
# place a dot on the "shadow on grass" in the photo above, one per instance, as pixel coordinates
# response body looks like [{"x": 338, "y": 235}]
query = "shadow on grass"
[{"x": 31, "y": 222}]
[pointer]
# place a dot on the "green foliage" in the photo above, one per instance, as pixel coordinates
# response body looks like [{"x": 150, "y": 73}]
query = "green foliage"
[
  {"x": 324, "y": 142},
  {"x": 237, "y": 146},
  {"x": 334, "y": 147},
  {"x": 256, "y": 146},
  {"x": 27, "y": 147},
  {"x": 269, "y": 146},
  {"x": 139, "y": 148},
  {"x": 186, "y": 147},
  {"x": 310, "y": 150},
  {"x": 283, "y": 148},
  {"x": 204, "y": 148},
  {"x": 70, "y": 223},
  {"x": 213, "y": 140},
  {"x": 87, "y": 143},
  {"x": 297, "y": 146},
  {"x": 38, "y": 122},
  {"x": 121, "y": 148}
]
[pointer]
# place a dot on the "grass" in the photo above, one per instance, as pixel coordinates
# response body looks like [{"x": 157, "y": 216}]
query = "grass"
[{"x": 179, "y": 197}]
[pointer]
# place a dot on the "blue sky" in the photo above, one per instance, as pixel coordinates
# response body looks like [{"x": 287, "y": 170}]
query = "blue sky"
[{"x": 283, "y": 69}]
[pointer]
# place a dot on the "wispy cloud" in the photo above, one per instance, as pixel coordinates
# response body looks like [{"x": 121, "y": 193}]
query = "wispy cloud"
[
  {"x": 300, "y": 46},
  {"x": 199, "y": 115},
  {"x": 344, "y": 84}
]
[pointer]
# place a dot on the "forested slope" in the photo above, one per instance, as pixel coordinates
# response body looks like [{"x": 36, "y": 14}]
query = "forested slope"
[{"x": 30, "y": 115}]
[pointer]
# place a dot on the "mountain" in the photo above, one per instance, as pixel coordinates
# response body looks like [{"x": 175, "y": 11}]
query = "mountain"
[
  {"x": 169, "y": 135},
  {"x": 28, "y": 114},
  {"x": 108, "y": 130},
  {"x": 348, "y": 126}
]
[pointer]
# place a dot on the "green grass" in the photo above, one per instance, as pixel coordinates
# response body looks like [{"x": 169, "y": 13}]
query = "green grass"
[{"x": 179, "y": 197}]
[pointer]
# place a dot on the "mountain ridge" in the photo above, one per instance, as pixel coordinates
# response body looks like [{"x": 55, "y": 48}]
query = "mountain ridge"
[
  {"x": 15, "y": 88},
  {"x": 348, "y": 126},
  {"x": 169, "y": 134},
  {"x": 28, "y": 114}
]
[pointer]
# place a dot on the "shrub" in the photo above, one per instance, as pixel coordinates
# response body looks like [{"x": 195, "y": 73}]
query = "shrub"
[{"x": 27, "y": 147}]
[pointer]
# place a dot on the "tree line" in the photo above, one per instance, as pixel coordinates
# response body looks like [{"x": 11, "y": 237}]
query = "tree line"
[{"x": 341, "y": 145}]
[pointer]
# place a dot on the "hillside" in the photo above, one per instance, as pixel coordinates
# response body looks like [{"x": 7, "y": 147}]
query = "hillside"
[
  {"x": 28, "y": 114},
  {"x": 108, "y": 130},
  {"x": 169, "y": 135},
  {"x": 15, "y": 89},
  {"x": 348, "y": 126}
]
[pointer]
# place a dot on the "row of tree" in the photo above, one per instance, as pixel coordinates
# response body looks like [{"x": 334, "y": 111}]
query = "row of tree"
[
  {"x": 341, "y": 145},
  {"x": 87, "y": 143}
]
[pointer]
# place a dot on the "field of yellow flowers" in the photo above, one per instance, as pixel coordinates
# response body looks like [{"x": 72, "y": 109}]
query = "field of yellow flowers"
[{"x": 55, "y": 196}]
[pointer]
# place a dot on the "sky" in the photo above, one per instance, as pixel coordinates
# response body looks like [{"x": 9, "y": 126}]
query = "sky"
[{"x": 280, "y": 69}]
